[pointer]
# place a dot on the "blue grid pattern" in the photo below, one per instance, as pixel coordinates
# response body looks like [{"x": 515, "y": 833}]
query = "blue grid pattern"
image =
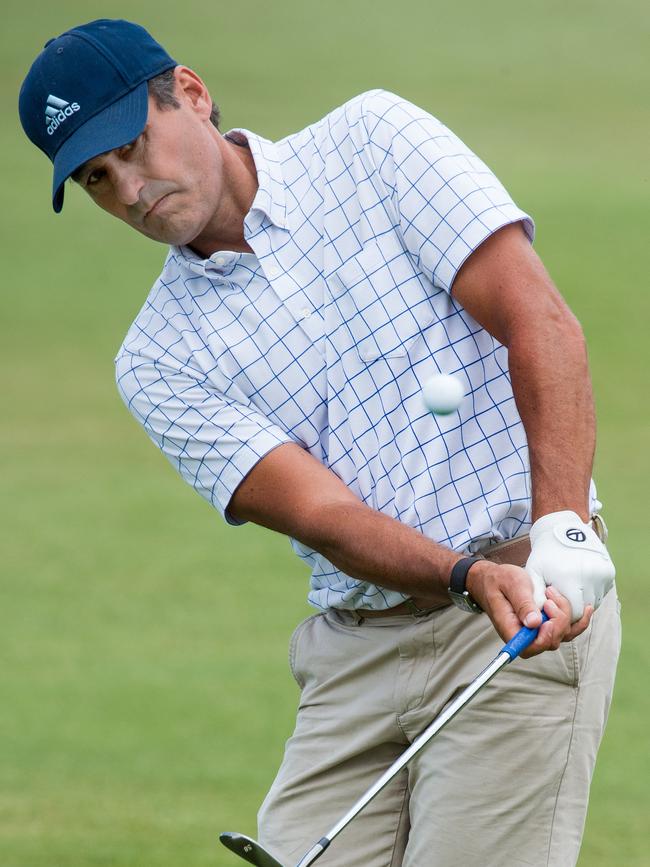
[{"x": 325, "y": 334}]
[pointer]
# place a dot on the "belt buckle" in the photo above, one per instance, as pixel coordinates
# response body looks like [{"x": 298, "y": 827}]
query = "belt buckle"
[
  {"x": 600, "y": 527},
  {"x": 414, "y": 608}
]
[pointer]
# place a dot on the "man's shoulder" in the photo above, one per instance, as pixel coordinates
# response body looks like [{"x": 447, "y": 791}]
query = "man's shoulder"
[
  {"x": 377, "y": 99},
  {"x": 349, "y": 117}
]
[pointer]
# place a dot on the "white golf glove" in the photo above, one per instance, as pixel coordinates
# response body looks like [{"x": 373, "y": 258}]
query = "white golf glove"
[{"x": 568, "y": 555}]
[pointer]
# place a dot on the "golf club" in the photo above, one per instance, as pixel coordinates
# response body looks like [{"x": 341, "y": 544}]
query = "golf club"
[{"x": 251, "y": 851}]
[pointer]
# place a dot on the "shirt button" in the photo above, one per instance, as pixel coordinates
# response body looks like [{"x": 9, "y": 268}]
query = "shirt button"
[
  {"x": 219, "y": 261},
  {"x": 273, "y": 270},
  {"x": 305, "y": 314}
]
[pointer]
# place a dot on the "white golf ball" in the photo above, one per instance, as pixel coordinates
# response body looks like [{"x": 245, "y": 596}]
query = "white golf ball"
[{"x": 443, "y": 394}]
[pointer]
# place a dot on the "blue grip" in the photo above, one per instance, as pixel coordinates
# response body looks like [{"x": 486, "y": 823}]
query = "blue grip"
[{"x": 523, "y": 639}]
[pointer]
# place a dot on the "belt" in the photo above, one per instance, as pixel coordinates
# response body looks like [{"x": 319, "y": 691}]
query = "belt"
[{"x": 514, "y": 552}]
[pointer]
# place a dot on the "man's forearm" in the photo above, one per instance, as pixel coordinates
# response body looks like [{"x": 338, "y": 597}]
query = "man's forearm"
[
  {"x": 371, "y": 546},
  {"x": 552, "y": 388},
  {"x": 293, "y": 493}
]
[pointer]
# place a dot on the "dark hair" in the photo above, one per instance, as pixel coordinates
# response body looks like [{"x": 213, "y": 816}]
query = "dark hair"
[{"x": 162, "y": 87}]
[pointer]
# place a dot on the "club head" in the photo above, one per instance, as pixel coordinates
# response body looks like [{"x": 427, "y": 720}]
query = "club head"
[{"x": 248, "y": 849}]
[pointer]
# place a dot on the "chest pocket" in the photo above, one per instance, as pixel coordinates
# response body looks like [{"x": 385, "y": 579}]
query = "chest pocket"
[{"x": 382, "y": 300}]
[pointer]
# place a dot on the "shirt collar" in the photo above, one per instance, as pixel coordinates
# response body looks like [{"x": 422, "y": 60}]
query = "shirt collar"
[{"x": 271, "y": 197}]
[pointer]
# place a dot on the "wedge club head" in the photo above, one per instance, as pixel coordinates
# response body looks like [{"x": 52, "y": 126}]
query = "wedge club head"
[{"x": 248, "y": 849}]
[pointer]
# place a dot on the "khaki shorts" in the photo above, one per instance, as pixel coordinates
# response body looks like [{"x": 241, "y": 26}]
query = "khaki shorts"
[{"x": 506, "y": 783}]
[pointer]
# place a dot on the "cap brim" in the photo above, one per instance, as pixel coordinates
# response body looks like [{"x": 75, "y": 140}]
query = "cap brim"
[{"x": 117, "y": 125}]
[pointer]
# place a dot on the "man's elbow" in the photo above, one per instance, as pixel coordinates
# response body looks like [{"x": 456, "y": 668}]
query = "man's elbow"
[
  {"x": 569, "y": 330},
  {"x": 551, "y": 324}
]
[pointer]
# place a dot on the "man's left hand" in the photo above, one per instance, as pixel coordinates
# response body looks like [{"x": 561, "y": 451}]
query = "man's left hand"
[{"x": 568, "y": 555}]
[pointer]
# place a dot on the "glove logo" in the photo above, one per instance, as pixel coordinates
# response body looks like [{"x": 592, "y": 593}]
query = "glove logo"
[{"x": 576, "y": 535}]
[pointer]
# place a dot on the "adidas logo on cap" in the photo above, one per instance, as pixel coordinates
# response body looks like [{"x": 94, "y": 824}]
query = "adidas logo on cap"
[{"x": 57, "y": 111}]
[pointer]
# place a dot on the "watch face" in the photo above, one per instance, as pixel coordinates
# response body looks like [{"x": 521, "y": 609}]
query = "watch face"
[{"x": 465, "y": 602}]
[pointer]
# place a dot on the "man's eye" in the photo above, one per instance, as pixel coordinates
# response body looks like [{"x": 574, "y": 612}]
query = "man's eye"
[{"x": 94, "y": 177}]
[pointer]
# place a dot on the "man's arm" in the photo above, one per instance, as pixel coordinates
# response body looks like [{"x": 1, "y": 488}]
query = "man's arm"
[
  {"x": 293, "y": 493},
  {"x": 505, "y": 287}
]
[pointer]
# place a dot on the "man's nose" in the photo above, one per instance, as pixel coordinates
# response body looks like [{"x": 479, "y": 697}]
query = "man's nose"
[{"x": 127, "y": 184}]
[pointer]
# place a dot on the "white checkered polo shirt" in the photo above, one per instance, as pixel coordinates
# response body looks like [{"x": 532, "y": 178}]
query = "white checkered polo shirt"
[{"x": 325, "y": 334}]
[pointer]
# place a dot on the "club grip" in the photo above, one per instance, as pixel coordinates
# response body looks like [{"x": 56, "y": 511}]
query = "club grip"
[{"x": 523, "y": 639}]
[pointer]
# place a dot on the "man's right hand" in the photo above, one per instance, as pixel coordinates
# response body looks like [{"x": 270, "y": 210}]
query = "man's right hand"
[{"x": 506, "y": 595}]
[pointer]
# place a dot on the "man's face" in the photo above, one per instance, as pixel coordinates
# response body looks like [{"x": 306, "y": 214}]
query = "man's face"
[{"x": 167, "y": 183}]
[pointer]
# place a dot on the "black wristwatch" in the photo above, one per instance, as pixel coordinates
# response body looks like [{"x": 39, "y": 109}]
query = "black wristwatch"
[{"x": 457, "y": 592}]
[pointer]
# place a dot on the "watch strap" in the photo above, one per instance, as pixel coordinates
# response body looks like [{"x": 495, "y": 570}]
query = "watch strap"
[{"x": 457, "y": 590}]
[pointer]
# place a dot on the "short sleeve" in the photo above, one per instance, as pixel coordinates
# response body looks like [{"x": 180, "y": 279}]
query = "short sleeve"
[
  {"x": 446, "y": 199},
  {"x": 211, "y": 440}
]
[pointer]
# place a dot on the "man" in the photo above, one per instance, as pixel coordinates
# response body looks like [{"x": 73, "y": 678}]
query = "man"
[{"x": 310, "y": 289}]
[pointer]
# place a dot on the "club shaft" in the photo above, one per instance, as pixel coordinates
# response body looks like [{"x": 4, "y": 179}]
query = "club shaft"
[
  {"x": 422, "y": 739},
  {"x": 251, "y": 851}
]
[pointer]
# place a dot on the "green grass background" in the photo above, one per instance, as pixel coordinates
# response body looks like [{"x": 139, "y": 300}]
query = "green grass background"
[{"x": 144, "y": 692}]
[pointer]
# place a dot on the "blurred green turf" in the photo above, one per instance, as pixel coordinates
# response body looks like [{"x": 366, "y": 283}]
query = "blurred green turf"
[{"x": 144, "y": 695}]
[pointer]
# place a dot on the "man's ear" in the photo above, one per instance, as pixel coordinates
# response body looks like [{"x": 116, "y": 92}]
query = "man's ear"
[{"x": 191, "y": 89}]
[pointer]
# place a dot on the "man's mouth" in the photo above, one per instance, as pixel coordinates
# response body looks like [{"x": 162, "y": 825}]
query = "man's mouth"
[{"x": 153, "y": 209}]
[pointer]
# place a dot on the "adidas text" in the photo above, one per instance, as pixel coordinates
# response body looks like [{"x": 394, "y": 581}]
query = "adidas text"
[{"x": 60, "y": 116}]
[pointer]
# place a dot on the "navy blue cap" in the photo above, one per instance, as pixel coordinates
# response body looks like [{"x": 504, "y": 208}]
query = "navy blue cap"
[{"x": 86, "y": 93}]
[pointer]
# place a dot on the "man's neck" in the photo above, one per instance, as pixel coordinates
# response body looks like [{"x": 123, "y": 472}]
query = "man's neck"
[{"x": 226, "y": 230}]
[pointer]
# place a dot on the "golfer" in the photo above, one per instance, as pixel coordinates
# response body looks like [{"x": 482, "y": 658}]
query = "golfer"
[{"x": 311, "y": 287}]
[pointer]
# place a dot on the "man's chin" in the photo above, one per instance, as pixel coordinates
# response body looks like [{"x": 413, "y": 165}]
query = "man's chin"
[
  {"x": 169, "y": 224},
  {"x": 168, "y": 234}
]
